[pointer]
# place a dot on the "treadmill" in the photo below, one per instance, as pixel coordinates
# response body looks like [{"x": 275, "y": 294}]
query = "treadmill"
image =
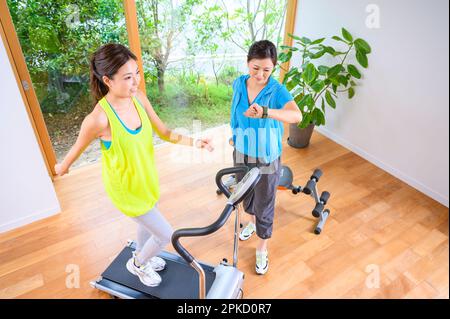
[{"x": 184, "y": 277}]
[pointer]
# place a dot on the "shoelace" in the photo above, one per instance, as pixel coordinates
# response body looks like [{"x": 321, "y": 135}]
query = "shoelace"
[
  {"x": 248, "y": 230},
  {"x": 260, "y": 258},
  {"x": 146, "y": 267}
]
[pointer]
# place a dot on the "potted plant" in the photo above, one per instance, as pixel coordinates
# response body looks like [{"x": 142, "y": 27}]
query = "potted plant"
[{"x": 313, "y": 87}]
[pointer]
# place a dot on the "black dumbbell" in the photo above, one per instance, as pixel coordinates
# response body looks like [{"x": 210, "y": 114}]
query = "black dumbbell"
[
  {"x": 324, "y": 197},
  {"x": 309, "y": 187},
  {"x": 317, "y": 174},
  {"x": 318, "y": 209}
]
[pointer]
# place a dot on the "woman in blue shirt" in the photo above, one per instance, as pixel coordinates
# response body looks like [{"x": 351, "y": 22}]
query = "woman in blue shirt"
[{"x": 260, "y": 106}]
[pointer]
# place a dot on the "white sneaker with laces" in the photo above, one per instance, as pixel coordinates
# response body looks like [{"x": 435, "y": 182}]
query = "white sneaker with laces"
[
  {"x": 248, "y": 231},
  {"x": 146, "y": 274},
  {"x": 157, "y": 263},
  {"x": 262, "y": 262}
]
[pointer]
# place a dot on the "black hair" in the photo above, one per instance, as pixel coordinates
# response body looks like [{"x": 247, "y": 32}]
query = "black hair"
[{"x": 262, "y": 50}]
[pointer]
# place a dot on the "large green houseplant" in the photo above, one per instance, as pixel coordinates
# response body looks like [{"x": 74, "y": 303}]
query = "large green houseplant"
[{"x": 314, "y": 85}]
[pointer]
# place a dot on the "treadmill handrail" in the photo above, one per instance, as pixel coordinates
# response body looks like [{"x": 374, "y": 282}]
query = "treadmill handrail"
[
  {"x": 228, "y": 171},
  {"x": 196, "y": 232}
]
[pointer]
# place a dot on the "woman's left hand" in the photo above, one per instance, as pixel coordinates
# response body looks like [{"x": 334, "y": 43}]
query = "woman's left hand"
[
  {"x": 255, "y": 111},
  {"x": 204, "y": 143}
]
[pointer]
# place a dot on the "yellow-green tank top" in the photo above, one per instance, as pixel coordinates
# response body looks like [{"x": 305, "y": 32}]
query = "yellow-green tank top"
[{"x": 128, "y": 165}]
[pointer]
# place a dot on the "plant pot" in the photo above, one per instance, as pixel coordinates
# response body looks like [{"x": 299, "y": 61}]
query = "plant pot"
[{"x": 300, "y": 137}]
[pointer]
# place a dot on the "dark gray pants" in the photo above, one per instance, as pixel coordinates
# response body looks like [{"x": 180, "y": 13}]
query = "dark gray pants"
[{"x": 261, "y": 202}]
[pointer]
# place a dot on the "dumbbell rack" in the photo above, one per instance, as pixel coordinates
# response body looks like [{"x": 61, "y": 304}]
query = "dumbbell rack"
[{"x": 319, "y": 210}]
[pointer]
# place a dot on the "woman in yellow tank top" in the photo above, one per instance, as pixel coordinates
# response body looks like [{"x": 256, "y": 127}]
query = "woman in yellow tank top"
[{"x": 124, "y": 119}]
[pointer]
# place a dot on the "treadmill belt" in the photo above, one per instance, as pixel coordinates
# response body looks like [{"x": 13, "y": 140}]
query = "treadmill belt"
[{"x": 179, "y": 280}]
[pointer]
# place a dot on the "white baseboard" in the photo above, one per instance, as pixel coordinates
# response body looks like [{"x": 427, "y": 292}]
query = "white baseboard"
[
  {"x": 393, "y": 171},
  {"x": 29, "y": 219}
]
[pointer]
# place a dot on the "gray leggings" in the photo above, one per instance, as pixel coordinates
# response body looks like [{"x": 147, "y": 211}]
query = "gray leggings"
[{"x": 153, "y": 234}]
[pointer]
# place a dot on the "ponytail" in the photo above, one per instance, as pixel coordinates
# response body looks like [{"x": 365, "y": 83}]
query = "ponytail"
[{"x": 98, "y": 88}]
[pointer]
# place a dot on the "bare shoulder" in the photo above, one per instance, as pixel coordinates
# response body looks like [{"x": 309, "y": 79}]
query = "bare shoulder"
[{"x": 98, "y": 118}]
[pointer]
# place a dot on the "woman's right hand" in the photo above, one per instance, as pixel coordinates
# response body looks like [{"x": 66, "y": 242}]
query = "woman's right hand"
[{"x": 61, "y": 170}]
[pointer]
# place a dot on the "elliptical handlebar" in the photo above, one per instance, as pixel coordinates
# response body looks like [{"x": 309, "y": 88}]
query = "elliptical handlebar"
[
  {"x": 203, "y": 231},
  {"x": 196, "y": 232},
  {"x": 228, "y": 171}
]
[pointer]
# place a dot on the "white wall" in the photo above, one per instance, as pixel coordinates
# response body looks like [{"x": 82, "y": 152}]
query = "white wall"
[
  {"x": 399, "y": 117},
  {"x": 26, "y": 190}
]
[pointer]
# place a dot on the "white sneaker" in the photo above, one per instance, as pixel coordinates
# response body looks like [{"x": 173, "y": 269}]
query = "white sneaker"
[
  {"x": 146, "y": 274},
  {"x": 248, "y": 231},
  {"x": 262, "y": 262},
  {"x": 157, "y": 263}
]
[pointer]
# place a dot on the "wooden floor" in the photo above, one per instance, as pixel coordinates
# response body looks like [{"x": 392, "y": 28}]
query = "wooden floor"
[{"x": 384, "y": 239}]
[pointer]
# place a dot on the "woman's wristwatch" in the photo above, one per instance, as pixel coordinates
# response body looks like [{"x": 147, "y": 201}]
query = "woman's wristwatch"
[{"x": 265, "y": 112}]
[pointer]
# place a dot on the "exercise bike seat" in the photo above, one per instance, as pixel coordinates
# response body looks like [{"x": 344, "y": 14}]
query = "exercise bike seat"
[{"x": 286, "y": 178}]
